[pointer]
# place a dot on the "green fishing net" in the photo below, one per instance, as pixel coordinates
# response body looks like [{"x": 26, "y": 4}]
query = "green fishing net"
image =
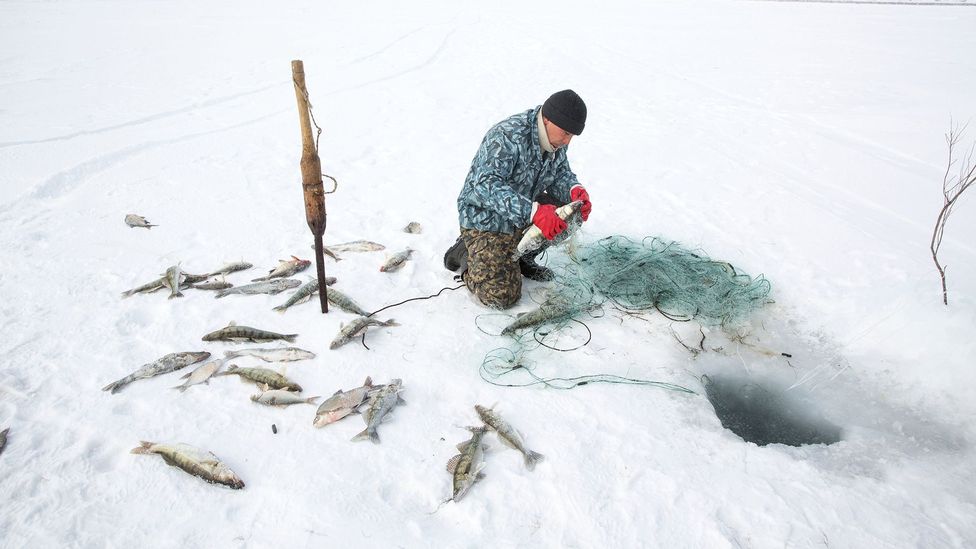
[
  {"x": 655, "y": 274},
  {"x": 637, "y": 276}
]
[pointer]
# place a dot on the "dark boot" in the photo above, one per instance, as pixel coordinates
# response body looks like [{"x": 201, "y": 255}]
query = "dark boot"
[
  {"x": 532, "y": 270},
  {"x": 456, "y": 258}
]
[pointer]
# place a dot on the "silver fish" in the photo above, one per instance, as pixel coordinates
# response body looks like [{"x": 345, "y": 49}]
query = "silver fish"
[
  {"x": 263, "y": 377},
  {"x": 304, "y": 293},
  {"x": 165, "y": 365},
  {"x": 270, "y": 287},
  {"x": 146, "y": 288},
  {"x": 396, "y": 261},
  {"x": 134, "y": 220},
  {"x": 231, "y": 268},
  {"x": 465, "y": 468},
  {"x": 200, "y": 375},
  {"x": 342, "y": 403},
  {"x": 3, "y": 439},
  {"x": 285, "y": 269},
  {"x": 549, "y": 311},
  {"x": 234, "y": 333},
  {"x": 358, "y": 326},
  {"x": 508, "y": 435},
  {"x": 532, "y": 238},
  {"x": 195, "y": 461},
  {"x": 356, "y": 246},
  {"x": 283, "y": 354},
  {"x": 213, "y": 285},
  {"x": 345, "y": 303},
  {"x": 378, "y": 407},
  {"x": 277, "y": 397},
  {"x": 413, "y": 228},
  {"x": 173, "y": 279}
]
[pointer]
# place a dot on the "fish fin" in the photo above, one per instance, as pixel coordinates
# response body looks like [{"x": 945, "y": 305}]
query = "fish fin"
[
  {"x": 339, "y": 392},
  {"x": 479, "y": 476},
  {"x": 400, "y": 401},
  {"x": 290, "y": 338},
  {"x": 143, "y": 448},
  {"x": 280, "y": 308},
  {"x": 452, "y": 463},
  {"x": 115, "y": 386},
  {"x": 365, "y": 434},
  {"x": 186, "y": 375},
  {"x": 462, "y": 445},
  {"x": 368, "y": 382},
  {"x": 531, "y": 458},
  {"x": 311, "y": 400}
]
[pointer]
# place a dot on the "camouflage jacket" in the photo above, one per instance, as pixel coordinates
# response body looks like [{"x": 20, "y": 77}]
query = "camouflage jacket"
[{"x": 508, "y": 172}]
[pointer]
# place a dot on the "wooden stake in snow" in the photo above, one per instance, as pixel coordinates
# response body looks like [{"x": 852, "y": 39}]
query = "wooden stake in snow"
[{"x": 311, "y": 177}]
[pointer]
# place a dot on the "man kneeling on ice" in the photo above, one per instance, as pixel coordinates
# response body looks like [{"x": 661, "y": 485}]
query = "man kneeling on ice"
[{"x": 519, "y": 176}]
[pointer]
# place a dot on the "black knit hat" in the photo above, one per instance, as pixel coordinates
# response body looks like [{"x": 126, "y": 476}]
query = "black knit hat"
[{"x": 566, "y": 110}]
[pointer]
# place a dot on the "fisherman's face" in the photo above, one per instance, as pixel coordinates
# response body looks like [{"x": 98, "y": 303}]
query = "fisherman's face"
[{"x": 558, "y": 137}]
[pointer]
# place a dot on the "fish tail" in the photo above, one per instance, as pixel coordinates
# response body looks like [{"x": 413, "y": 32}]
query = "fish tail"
[
  {"x": 116, "y": 386},
  {"x": 367, "y": 433},
  {"x": 177, "y": 294},
  {"x": 532, "y": 458},
  {"x": 221, "y": 294},
  {"x": 143, "y": 448}
]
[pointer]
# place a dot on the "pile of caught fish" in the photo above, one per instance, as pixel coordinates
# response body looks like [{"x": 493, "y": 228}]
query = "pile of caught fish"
[{"x": 373, "y": 401}]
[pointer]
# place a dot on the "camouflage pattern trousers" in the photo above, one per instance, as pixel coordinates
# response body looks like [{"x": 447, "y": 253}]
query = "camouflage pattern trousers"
[{"x": 492, "y": 276}]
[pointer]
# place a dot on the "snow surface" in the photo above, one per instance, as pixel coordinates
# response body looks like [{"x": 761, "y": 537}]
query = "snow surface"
[{"x": 803, "y": 141}]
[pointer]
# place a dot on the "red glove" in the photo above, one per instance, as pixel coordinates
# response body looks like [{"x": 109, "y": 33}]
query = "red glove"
[
  {"x": 548, "y": 222},
  {"x": 579, "y": 193}
]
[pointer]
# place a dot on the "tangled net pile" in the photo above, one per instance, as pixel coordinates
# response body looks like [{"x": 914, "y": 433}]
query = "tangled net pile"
[
  {"x": 654, "y": 274},
  {"x": 634, "y": 276}
]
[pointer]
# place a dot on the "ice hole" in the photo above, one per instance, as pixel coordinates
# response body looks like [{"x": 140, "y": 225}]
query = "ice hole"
[{"x": 767, "y": 416}]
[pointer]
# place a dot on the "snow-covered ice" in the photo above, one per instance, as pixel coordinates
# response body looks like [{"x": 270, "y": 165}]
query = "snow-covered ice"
[{"x": 800, "y": 140}]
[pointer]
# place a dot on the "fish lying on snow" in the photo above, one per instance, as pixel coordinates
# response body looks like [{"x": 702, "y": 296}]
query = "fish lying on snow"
[
  {"x": 195, "y": 461},
  {"x": 146, "y": 288},
  {"x": 532, "y": 238},
  {"x": 345, "y": 303},
  {"x": 380, "y": 404},
  {"x": 358, "y": 326},
  {"x": 212, "y": 285},
  {"x": 508, "y": 435},
  {"x": 262, "y": 377},
  {"x": 3, "y": 439},
  {"x": 550, "y": 311},
  {"x": 173, "y": 279},
  {"x": 285, "y": 269},
  {"x": 165, "y": 365},
  {"x": 413, "y": 228},
  {"x": 305, "y": 293},
  {"x": 283, "y": 354},
  {"x": 278, "y": 397},
  {"x": 396, "y": 261},
  {"x": 270, "y": 287},
  {"x": 200, "y": 375},
  {"x": 134, "y": 220},
  {"x": 465, "y": 468},
  {"x": 231, "y": 268},
  {"x": 343, "y": 403},
  {"x": 237, "y": 334}
]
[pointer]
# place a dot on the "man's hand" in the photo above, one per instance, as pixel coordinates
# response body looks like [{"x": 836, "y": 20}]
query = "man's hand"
[
  {"x": 579, "y": 193},
  {"x": 548, "y": 222}
]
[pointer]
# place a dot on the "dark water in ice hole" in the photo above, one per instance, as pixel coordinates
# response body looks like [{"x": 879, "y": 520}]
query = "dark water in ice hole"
[{"x": 763, "y": 417}]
